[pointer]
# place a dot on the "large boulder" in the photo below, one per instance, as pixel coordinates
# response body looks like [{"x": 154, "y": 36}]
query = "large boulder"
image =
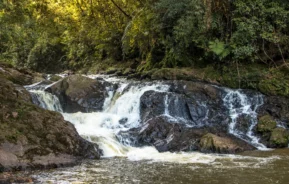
[
  {"x": 271, "y": 135},
  {"x": 78, "y": 93},
  {"x": 215, "y": 144},
  {"x": 168, "y": 135},
  {"x": 266, "y": 124},
  {"x": 31, "y": 137},
  {"x": 193, "y": 103},
  {"x": 279, "y": 138}
]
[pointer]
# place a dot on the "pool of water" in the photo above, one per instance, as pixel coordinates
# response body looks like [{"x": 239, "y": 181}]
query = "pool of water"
[{"x": 257, "y": 167}]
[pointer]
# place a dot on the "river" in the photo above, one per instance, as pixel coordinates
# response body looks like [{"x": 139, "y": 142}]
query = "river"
[{"x": 124, "y": 163}]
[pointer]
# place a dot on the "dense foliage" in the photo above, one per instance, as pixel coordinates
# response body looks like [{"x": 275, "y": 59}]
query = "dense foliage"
[{"x": 47, "y": 35}]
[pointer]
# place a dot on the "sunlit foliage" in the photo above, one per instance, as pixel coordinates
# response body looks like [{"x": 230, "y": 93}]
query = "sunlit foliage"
[{"x": 50, "y": 35}]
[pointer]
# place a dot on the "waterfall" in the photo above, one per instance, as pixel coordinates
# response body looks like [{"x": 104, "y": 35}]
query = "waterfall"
[
  {"x": 46, "y": 100},
  {"x": 121, "y": 112},
  {"x": 239, "y": 105}
]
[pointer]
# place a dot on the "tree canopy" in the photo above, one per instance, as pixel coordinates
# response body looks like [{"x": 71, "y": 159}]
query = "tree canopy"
[{"x": 49, "y": 35}]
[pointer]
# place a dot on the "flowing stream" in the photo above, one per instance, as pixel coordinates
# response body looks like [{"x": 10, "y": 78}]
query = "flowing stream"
[{"x": 123, "y": 163}]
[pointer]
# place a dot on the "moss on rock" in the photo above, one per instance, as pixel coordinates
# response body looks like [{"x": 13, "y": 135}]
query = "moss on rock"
[
  {"x": 279, "y": 138},
  {"x": 214, "y": 143},
  {"x": 173, "y": 74},
  {"x": 266, "y": 124},
  {"x": 33, "y": 137},
  {"x": 55, "y": 78}
]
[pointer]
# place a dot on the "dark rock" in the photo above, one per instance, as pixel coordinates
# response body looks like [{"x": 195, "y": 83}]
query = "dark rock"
[
  {"x": 129, "y": 137},
  {"x": 77, "y": 93},
  {"x": 275, "y": 106},
  {"x": 123, "y": 121},
  {"x": 190, "y": 102},
  {"x": 243, "y": 123},
  {"x": 152, "y": 104},
  {"x": 39, "y": 138},
  {"x": 167, "y": 135}
]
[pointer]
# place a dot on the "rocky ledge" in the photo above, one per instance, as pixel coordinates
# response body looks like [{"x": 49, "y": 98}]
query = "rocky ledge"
[{"x": 31, "y": 137}]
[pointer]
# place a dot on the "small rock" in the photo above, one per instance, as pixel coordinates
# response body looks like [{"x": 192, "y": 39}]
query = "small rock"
[{"x": 279, "y": 138}]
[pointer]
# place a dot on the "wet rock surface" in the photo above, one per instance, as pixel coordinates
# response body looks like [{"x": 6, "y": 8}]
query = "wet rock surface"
[
  {"x": 167, "y": 134},
  {"x": 277, "y": 107},
  {"x": 195, "y": 108},
  {"x": 193, "y": 103},
  {"x": 80, "y": 94}
]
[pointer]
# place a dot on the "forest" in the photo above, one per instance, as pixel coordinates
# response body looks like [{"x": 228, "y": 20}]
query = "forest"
[
  {"x": 144, "y": 91},
  {"x": 54, "y": 35}
]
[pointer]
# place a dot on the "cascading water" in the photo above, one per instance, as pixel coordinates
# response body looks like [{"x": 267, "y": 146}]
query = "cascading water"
[
  {"x": 46, "y": 100},
  {"x": 121, "y": 112},
  {"x": 239, "y": 105}
]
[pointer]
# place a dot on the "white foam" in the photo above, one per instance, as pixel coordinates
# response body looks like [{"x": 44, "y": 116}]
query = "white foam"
[
  {"x": 47, "y": 100},
  {"x": 238, "y": 105},
  {"x": 122, "y": 112}
]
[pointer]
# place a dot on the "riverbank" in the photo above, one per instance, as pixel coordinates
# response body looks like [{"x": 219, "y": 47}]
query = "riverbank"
[{"x": 32, "y": 137}]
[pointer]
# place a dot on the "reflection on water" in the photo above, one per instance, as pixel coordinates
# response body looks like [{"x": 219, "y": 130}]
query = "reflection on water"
[{"x": 249, "y": 168}]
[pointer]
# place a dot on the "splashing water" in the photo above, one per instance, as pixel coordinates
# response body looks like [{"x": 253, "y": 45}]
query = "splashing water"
[
  {"x": 238, "y": 105},
  {"x": 121, "y": 112},
  {"x": 46, "y": 100}
]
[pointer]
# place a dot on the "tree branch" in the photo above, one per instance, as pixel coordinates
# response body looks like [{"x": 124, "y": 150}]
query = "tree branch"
[{"x": 120, "y": 9}]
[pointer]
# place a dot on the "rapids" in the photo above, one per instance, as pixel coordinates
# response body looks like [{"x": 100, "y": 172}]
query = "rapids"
[{"x": 121, "y": 112}]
